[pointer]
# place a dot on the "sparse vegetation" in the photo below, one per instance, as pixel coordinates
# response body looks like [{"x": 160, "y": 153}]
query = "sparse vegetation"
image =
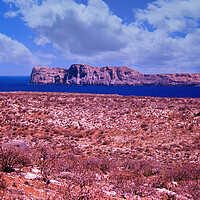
[{"x": 82, "y": 146}]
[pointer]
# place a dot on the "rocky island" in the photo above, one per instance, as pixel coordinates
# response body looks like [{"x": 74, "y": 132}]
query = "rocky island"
[{"x": 80, "y": 74}]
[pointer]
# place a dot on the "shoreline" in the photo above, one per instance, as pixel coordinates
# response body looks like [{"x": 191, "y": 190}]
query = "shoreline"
[{"x": 97, "y": 94}]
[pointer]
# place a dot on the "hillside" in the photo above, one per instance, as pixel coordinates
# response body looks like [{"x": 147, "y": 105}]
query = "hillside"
[{"x": 87, "y": 146}]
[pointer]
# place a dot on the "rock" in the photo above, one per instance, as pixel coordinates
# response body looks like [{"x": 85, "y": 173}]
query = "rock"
[
  {"x": 17, "y": 143},
  {"x": 55, "y": 182},
  {"x": 45, "y": 75},
  {"x": 172, "y": 195},
  {"x": 110, "y": 193},
  {"x": 31, "y": 176},
  {"x": 14, "y": 184},
  {"x": 35, "y": 170},
  {"x": 16, "y": 191},
  {"x": 136, "y": 197},
  {"x": 108, "y": 190},
  {"x": 79, "y": 74},
  {"x": 87, "y": 75},
  {"x": 165, "y": 191},
  {"x": 65, "y": 174},
  {"x": 75, "y": 125},
  {"x": 26, "y": 183}
]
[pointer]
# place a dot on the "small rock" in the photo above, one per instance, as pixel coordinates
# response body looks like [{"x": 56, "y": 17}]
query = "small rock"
[
  {"x": 55, "y": 182},
  {"x": 16, "y": 191},
  {"x": 175, "y": 184},
  {"x": 65, "y": 174},
  {"x": 75, "y": 125},
  {"x": 110, "y": 193},
  {"x": 136, "y": 198},
  {"x": 32, "y": 176},
  {"x": 35, "y": 170},
  {"x": 17, "y": 143},
  {"x": 26, "y": 183},
  {"x": 14, "y": 184},
  {"x": 165, "y": 191}
]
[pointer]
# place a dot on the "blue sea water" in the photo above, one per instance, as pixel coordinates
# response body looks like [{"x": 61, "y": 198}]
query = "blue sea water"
[{"x": 21, "y": 83}]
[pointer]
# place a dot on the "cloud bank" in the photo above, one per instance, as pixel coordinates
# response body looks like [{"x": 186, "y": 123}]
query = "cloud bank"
[{"x": 165, "y": 36}]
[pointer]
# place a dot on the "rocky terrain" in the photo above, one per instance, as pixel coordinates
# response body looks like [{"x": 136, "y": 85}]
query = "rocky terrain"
[
  {"x": 79, "y": 74},
  {"x": 89, "y": 146}
]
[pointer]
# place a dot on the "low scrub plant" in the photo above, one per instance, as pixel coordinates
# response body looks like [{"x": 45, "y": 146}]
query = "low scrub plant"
[{"x": 13, "y": 156}]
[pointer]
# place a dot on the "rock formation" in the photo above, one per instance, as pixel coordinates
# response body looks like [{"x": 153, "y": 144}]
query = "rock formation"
[{"x": 79, "y": 74}]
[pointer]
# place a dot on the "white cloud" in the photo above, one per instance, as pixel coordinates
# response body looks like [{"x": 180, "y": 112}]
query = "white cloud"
[
  {"x": 171, "y": 15},
  {"x": 22, "y": 4},
  {"x": 10, "y": 14},
  {"x": 165, "y": 35},
  {"x": 73, "y": 28},
  {"x": 77, "y": 29},
  {"x": 12, "y": 51}
]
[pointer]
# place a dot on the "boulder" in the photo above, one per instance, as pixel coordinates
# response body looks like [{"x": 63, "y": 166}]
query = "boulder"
[{"x": 17, "y": 143}]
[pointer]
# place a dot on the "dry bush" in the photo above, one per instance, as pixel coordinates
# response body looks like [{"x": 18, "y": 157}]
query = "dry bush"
[
  {"x": 144, "y": 167},
  {"x": 51, "y": 162},
  {"x": 192, "y": 188},
  {"x": 119, "y": 177},
  {"x": 183, "y": 172},
  {"x": 88, "y": 194},
  {"x": 47, "y": 160},
  {"x": 159, "y": 182},
  {"x": 13, "y": 156},
  {"x": 84, "y": 178},
  {"x": 131, "y": 183},
  {"x": 44, "y": 151},
  {"x": 70, "y": 192},
  {"x": 67, "y": 165},
  {"x": 102, "y": 163},
  {"x": 79, "y": 182},
  {"x": 3, "y": 186}
]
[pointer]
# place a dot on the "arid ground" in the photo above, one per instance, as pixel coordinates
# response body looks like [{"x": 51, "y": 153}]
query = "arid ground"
[{"x": 87, "y": 146}]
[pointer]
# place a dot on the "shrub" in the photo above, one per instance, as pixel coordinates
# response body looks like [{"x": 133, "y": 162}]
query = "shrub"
[
  {"x": 46, "y": 160},
  {"x": 131, "y": 183},
  {"x": 159, "y": 182},
  {"x": 193, "y": 188},
  {"x": 144, "y": 167},
  {"x": 183, "y": 172},
  {"x": 84, "y": 178},
  {"x": 3, "y": 186},
  {"x": 13, "y": 156},
  {"x": 103, "y": 163},
  {"x": 70, "y": 192}
]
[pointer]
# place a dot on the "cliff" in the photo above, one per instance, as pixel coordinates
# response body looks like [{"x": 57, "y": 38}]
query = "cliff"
[{"x": 79, "y": 74}]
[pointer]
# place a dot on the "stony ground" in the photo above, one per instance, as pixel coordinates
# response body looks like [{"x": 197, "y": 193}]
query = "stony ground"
[{"x": 87, "y": 146}]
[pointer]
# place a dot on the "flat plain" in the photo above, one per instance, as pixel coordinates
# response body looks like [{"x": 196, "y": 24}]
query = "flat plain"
[{"x": 92, "y": 146}]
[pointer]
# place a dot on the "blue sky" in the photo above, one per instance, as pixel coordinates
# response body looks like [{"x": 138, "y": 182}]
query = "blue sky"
[{"x": 150, "y": 36}]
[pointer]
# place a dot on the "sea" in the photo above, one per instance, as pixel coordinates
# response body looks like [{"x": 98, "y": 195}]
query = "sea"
[{"x": 21, "y": 83}]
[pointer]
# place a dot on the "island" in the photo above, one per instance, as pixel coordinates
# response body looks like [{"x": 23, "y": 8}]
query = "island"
[{"x": 81, "y": 74}]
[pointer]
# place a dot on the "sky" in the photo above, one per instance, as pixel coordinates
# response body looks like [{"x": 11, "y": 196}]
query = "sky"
[{"x": 150, "y": 36}]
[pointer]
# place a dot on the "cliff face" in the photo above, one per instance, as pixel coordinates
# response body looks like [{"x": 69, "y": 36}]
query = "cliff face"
[
  {"x": 46, "y": 75},
  {"x": 87, "y": 75}
]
